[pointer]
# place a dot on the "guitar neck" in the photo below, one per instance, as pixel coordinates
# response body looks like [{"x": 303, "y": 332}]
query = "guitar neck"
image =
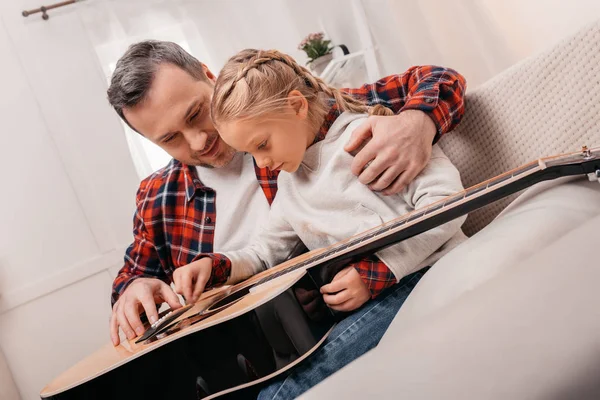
[{"x": 447, "y": 209}]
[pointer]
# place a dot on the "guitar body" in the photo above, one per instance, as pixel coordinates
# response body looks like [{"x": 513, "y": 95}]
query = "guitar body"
[
  {"x": 251, "y": 334},
  {"x": 236, "y": 338}
]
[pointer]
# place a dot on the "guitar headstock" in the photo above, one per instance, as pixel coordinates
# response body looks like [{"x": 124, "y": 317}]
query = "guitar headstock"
[
  {"x": 585, "y": 155},
  {"x": 586, "y": 161}
]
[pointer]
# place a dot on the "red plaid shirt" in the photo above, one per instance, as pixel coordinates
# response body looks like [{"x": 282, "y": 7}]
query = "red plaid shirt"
[{"x": 175, "y": 213}]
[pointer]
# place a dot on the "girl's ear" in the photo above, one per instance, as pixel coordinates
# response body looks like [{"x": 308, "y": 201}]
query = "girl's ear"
[{"x": 298, "y": 103}]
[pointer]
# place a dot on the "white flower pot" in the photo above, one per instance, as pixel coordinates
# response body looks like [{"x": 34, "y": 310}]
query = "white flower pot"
[{"x": 318, "y": 65}]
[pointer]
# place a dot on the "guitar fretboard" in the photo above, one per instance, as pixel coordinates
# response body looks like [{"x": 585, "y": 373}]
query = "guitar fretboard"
[{"x": 403, "y": 222}]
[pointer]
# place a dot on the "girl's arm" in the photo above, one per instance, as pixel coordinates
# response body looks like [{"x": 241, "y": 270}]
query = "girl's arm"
[
  {"x": 275, "y": 243},
  {"x": 439, "y": 179}
]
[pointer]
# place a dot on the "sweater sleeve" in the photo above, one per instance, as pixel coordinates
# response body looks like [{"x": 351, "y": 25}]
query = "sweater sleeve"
[
  {"x": 275, "y": 243},
  {"x": 439, "y": 179}
]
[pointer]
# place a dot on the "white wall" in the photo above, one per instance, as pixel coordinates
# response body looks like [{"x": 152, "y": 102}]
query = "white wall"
[
  {"x": 67, "y": 197},
  {"x": 69, "y": 182},
  {"x": 8, "y": 388},
  {"x": 479, "y": 38}
]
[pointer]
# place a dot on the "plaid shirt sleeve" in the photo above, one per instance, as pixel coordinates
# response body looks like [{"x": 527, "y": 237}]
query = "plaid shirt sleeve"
[
  {"x": 141, "y": 259},
  {"x": 437, "y": 91},
  {"x": 221, "y": 269},
  {"x": 375, "y": 274}
]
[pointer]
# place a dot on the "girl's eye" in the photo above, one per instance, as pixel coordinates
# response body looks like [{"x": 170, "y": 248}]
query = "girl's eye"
[
  {"x": 195, "y": 115},
  {"x": 262, "y": 145}
]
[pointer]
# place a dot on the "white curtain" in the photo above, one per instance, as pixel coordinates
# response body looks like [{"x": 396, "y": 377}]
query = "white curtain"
[
  {"x": 212, "y": 31},
  {"x": 479, "y": 38}
]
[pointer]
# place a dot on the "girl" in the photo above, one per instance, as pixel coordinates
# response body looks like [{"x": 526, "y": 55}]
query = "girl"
[{"x": 266, "y": 104}]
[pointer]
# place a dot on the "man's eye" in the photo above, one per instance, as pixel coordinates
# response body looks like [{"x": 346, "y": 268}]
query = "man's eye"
[
  {"x": 262, "y": 145},
  {"x": 169, "y": 139}
]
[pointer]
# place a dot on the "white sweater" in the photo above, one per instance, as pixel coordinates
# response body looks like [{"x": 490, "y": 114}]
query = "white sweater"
[{"x": 323, "y": 203}]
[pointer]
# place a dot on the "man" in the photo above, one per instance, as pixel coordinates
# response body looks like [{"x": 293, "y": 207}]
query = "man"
[{"x": 164, "y": 94}]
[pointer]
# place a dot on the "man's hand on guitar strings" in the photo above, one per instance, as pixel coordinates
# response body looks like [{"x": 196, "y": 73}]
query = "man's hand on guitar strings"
[
  {"x": 190, "y": 280},
  {"x": 346, "y": 292},
  {"x": 141, "y": 295}
]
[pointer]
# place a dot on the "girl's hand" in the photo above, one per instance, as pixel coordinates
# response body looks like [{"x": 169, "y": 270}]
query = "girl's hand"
[
  {"x": 190, "y": 280},
  {"x": 346, "y": 292}
]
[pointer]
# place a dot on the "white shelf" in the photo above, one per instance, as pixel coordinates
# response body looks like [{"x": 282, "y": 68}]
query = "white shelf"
[{"x": 346, "y": 71}]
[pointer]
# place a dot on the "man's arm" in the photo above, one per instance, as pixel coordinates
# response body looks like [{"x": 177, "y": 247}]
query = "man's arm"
[
  {"x": 429, "y": 101},
  {"x": 436, "y": 91},
  {"x": 140, "y": 261},
  {"x": 141, "y": 282}
]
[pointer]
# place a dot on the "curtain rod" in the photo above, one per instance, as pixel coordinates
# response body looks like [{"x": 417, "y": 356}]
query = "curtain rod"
[{"x": 44, "y": 9}]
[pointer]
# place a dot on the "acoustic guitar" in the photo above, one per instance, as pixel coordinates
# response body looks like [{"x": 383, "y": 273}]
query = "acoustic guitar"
[{"x": 234, "y": 338}]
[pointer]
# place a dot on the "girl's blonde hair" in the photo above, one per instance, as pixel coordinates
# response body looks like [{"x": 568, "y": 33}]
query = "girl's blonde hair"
[{"x": 255, "y": 83}]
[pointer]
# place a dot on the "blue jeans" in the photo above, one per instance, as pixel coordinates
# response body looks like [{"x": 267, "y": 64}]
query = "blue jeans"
[{"x": 352, "y": 337}]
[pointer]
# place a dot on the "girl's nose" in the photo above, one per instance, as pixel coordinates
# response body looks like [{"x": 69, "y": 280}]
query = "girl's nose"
[{"x": 263, "y": 162}]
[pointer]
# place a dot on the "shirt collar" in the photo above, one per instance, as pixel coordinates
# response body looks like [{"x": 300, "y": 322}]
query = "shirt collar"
[
  {"x": 332, "y": 115},
  {"x": 192, "y": 182}
]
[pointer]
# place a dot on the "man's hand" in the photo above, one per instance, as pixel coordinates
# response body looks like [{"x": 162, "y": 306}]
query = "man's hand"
[
  {"x": 190, "y": 280},
  {"x": 346, "y": 292},
  {"x": 141, "y": 294},
  {"x": 399, "y": 149}
]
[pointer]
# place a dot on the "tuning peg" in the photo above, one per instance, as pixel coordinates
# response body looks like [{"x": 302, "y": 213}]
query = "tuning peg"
[{"x": 586, "y": 152}]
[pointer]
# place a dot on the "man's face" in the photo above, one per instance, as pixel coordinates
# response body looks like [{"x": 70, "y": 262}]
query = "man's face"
[{"x": 175, "y": 115}]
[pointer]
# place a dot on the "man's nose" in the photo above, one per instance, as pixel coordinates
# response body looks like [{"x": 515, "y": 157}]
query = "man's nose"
[{"x": 197, "y": 140}]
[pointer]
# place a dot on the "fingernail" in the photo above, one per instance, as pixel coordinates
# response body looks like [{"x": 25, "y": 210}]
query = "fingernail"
[
  {"x": 153, "y": 319},
  {"x": 139, "y": 330}
]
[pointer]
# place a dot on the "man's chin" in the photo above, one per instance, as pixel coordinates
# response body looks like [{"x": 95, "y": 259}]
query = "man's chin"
[{"x": 220, "y": 161}]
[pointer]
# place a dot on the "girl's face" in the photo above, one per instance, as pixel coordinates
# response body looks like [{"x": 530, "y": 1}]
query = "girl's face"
[{"x": 277, "y": 140}]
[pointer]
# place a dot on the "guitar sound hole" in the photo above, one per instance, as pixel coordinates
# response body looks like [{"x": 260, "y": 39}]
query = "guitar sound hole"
[{"x": 229, "y": 299}]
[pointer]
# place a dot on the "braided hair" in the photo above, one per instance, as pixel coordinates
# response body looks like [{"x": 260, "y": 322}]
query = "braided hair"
[{"x": 257, "y": 82}]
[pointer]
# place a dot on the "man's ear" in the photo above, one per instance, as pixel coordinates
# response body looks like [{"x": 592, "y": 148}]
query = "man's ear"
[
  {"x": 208, "y": 74},
  {"x": 298, "y": 103}
]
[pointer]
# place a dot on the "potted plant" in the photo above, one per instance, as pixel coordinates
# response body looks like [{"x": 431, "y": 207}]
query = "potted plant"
[{"x": 318, "y": 50}]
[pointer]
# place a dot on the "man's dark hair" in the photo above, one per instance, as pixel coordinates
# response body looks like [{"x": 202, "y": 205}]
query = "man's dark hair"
[{"x": 135, "y": 71}]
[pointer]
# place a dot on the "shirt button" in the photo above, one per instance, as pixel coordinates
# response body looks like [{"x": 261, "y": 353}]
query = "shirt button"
[
  {"x": 208, "y": 220},
  {"x": 428, "y": 100}
]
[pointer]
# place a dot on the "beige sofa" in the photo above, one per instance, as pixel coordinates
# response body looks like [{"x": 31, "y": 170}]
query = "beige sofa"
[{"x": 513, "y": 313}]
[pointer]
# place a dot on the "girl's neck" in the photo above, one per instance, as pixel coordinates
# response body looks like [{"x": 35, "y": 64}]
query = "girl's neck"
[
  {"x": 311, "y": 137},
  {"x": 318, "y": 119}
]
